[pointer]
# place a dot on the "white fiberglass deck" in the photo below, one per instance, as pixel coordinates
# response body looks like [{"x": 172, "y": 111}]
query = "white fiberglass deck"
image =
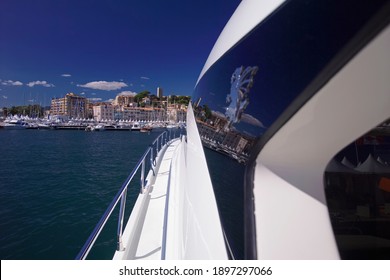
[
  {"x": 150, "y": 242},
  {"x": 143, "y": 236}
]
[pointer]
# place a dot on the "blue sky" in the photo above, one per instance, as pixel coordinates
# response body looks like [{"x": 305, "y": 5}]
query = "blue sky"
[{"x": 103, "y": 47}]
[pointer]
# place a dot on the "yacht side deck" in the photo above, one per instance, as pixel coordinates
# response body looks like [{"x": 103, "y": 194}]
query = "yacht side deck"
[{"x": 144, "y": 235}]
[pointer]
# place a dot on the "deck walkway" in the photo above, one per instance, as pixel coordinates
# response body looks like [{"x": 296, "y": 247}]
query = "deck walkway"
[{"x": 151, "y": 236}]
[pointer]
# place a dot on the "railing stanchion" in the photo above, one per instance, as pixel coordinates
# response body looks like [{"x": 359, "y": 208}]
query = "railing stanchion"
[
  {"x": 143, "y": 176},
  {"x": 119, "y": 246},
  {"x": 152, "y": 165}
]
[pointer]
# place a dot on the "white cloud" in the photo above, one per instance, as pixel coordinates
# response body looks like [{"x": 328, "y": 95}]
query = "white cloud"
[
  {"x": 127, "y": 93},
  {"x": 11, "y": 83},
  {"x": 251, "y": 120},
  {"x": 17, "y": 83},
  {"x": 5, "y": 97},
  {"x": 40, "y": 83},
  {"x": 66, "y": 75},
  {"x": 145, "y": 78},
  {"x": 82, "y": 93},
  {"x": 219, "y": 114},
  {"x": 103, "y": 85}
]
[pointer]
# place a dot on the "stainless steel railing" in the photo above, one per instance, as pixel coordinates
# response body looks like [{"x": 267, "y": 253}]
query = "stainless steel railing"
[{"x": 152, "y": 152}]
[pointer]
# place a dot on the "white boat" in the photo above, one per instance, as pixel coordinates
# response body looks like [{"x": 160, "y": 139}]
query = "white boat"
[
  {"x": 172, "y": 125},
  {"x": 136, "y": 126},
  {"x": 290, "y": 77},
  {"x": 90, "y": 128},
  {"x": 146, "y": 128},
  {"x": 44, "y": 126},
  {"x": 100, "y": 127},
  {"x": 15, "y": 124}
]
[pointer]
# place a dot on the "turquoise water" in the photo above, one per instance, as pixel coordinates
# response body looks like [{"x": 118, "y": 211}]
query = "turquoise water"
[{"x": 55, "y": 186}]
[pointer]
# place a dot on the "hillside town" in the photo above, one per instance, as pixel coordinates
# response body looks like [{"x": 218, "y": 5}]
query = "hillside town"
[
  {"x": 127, "y": 106},
  {"x": 128, "y": 109}
]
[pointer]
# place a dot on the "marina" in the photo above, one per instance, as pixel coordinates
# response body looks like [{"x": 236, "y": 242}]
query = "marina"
[{"x": 17, "y": 122}]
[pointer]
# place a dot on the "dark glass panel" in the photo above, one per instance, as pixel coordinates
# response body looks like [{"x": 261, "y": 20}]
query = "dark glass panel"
[{"x": 357, "y": 187}]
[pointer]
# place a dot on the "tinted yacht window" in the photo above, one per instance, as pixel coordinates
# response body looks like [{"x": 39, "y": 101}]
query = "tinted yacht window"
[
  {"x": 357, "y": 187},
  {"x": 256, "y": 86},
  {"x": 242, "y": 95}
]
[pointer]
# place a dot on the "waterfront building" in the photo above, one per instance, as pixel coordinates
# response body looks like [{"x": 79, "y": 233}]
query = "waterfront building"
[
  {"x": 90, "y": 108},
  {"x": 176, "y": 114},
  {"x": 104, "y": 111},
  {"x": 140, "y": 114},
  {"x": 125, "y": 99},
  {"x": 216, "y": 135},
  {"x": 159, "y": 114},
  {"x": 71, "y": 105},
  {"x": 146, "y": 101}
]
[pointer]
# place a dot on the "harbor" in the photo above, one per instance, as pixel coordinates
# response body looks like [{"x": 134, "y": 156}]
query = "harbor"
[
  {"x": 24, "y": 122},
  {"x": 127, "y": 112}
]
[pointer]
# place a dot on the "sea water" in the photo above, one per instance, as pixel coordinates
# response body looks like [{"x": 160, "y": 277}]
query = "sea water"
[{"x": 55, "y": 186}]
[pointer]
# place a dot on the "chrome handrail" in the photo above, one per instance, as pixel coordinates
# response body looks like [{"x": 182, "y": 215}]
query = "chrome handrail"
[{"x": 157, "y": 144}]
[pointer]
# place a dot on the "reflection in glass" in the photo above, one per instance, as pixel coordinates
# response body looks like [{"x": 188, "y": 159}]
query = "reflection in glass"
[
  {"x": 237, "y": 100},
  {"x": 217, "y": 130},
  {"x": 357, "y": 187}
]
